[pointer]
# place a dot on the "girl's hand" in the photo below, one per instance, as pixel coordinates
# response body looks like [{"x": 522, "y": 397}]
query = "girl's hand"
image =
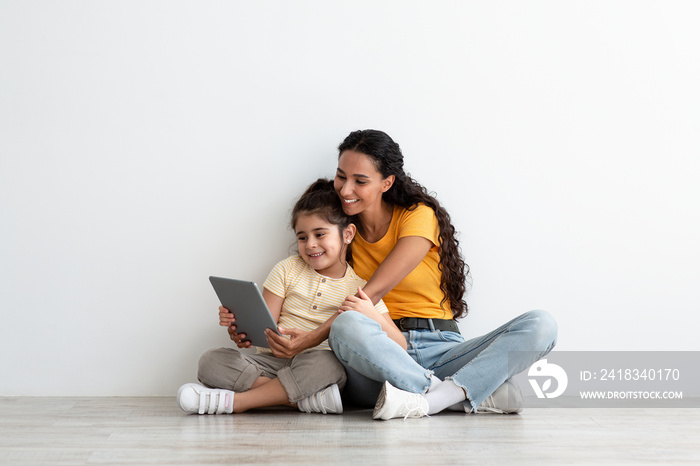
[
  {"x": 227, "y": 319},
  {"x": 360, "y": 303},
  {"x": 287, "y": 347}
]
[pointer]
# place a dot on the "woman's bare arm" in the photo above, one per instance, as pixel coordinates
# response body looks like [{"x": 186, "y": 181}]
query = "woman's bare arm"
[{"x": 406, "y": 255}]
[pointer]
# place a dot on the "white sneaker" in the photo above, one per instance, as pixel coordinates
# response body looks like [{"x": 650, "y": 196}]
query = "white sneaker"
[
  {"x": 507, "y": 399},
  {"x": 326, "y": 401},
  {"x": 393, "y": 403},
  {"x": 194, "y": 398}
]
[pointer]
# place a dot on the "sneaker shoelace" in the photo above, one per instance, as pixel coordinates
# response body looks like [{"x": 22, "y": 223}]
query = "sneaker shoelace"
[
  {"x": 488, "y": 405},
  {"x": 497, "y": 402},
  {"x": 412, "y": 408}
]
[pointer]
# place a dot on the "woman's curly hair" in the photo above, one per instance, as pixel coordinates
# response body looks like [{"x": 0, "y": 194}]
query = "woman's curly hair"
[{"x": 408, "y": 193}]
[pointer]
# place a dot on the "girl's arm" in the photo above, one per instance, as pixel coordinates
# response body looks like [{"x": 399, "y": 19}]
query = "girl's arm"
[
  {"x": 300, "y": 340},
  {"x": 274, "y": 303},
  {"x": 406, "y": 255}
]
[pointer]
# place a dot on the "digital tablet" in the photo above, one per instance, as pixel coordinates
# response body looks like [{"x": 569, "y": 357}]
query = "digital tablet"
[{"x": 246, "y": 303}]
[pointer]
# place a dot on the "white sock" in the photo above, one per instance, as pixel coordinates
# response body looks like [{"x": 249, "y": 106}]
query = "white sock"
[{"x": 445, "y": 394}]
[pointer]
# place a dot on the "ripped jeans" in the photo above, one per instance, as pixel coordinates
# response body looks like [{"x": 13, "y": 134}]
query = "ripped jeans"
[{"x": 479, "y": 365}]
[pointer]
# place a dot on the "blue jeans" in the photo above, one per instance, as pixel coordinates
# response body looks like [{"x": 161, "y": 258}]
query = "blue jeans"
[{"x": 479, "y": 365}]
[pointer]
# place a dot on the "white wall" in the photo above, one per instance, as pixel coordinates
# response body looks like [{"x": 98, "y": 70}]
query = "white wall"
[{"x": 147, "y": 145}]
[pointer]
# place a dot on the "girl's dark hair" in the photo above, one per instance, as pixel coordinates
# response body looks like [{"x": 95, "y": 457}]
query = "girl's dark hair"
[
  {"x": 321, "y": 199},
  {"x": 408, "y": 193}
]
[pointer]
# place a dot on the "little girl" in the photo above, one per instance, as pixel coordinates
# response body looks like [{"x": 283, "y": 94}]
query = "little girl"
[{"x": 303, "y": 293}]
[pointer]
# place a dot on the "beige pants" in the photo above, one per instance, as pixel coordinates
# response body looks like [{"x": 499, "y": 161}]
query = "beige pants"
[{"x": 301, "y": 376}]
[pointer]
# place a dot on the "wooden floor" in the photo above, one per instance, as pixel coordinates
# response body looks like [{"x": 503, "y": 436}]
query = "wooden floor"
[{"x": 62, "y": 431}]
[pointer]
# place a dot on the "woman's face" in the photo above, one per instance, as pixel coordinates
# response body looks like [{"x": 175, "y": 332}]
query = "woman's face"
[{"x": 359, "y": 184}]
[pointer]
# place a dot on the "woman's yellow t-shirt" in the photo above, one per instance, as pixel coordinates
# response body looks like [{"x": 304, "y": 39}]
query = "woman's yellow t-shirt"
[{"x": 418, "y": 294}]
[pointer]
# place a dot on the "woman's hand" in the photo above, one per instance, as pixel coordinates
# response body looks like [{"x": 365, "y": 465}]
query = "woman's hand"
[
  {"x": 288, "y": 347},
  {"x": 360, "y": 303},
  {"x": 227, "y": 319}
]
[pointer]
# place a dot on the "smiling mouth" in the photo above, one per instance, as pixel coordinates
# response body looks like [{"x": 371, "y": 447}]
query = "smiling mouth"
[
  {"x": 350, "y": 201},
  {"x": 318, "y": 254}
]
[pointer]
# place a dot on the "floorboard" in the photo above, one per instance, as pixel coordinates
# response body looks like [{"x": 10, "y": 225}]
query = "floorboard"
[{"x": 68, "y": 431}]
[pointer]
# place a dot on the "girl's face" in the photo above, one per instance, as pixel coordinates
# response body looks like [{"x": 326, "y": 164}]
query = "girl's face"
[
  {"x": 322, "y": 245},
  {"x": 359, "y": 184}
]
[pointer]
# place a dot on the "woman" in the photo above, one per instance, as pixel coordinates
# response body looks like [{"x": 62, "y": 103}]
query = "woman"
[{"x": 406, "y": 249}]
